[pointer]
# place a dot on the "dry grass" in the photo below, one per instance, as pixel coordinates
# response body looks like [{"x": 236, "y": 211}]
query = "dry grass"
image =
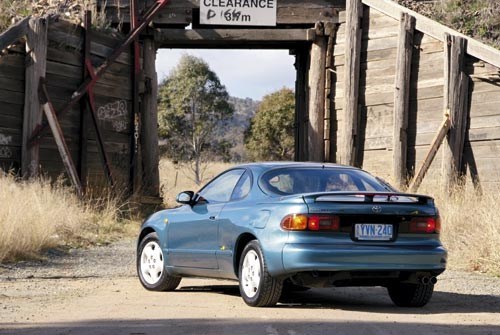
[
  {"x": 175, "y": 178},
  {"x": 471, "y": 226},
  {"x": 470, "y": 229},
  {"x": 36, "y": 216},
  {"x": 12, "y": 11}
]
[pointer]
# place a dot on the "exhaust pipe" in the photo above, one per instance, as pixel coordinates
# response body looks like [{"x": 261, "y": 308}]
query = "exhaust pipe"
[
  {"x": 425, "y": 280},
  {"x": 428, "y": 280}
]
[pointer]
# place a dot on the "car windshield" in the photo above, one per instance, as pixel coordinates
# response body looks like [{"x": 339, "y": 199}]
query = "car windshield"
[{"x": 288, "y": 181}]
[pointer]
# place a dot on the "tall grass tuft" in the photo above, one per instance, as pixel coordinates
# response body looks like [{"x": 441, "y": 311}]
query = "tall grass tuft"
[
  {"x": 470, "y": 229},
  {"x": 37, "y": 215}
]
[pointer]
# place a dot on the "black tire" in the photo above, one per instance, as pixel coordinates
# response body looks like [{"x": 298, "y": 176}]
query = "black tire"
[
  {"x": 410, "y": 295},
  {"x": 268, "y": 290},
  {"x": 154, "y": 278}
]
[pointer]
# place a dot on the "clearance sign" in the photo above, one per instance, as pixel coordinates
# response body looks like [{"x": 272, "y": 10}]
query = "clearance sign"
[{"x": 238, "y": 12}]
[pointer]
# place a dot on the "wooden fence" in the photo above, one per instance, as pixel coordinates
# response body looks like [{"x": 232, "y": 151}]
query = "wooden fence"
[
  {"x": 412, "y": 73},
  {"x": 62, "y": 57}
]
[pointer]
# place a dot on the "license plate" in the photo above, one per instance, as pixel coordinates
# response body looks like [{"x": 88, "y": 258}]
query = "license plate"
[{"x": 373, "y": 231}]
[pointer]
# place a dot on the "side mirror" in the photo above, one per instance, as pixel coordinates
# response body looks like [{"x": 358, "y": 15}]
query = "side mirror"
[{"x": 185, "y": 198}]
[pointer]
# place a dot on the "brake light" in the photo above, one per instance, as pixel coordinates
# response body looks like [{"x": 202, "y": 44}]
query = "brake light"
[
  {"x": 425, "y": 225},
  {"x": 310, "y": 222}
]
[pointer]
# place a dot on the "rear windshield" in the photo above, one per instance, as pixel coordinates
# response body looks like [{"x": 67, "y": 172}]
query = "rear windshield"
[{"x": 289, "y": 181}]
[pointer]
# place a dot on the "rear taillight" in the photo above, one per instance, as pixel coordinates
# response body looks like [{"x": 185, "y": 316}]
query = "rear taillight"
[
  {"x": 425, "y": 225},
  {"x": 311, "y": 222}
]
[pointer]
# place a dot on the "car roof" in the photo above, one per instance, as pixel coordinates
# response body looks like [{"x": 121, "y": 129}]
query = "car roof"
[{"x": 272, "y": 165}]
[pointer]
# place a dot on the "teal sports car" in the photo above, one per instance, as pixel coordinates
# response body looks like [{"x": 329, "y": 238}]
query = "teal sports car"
[{"x": 277, "y": 227}]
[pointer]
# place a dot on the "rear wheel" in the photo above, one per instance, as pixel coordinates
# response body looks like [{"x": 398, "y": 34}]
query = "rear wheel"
[
  {"x": 151, "y": 266},
  {"x": 257, "y": 287},
  {"x": 410, "y": 295}
]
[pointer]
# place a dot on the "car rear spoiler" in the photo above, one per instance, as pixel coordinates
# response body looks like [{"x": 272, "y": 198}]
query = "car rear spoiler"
[{"x": 368, "y": 197}]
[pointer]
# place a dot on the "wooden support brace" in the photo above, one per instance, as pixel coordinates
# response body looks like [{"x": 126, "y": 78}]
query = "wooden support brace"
[
  {"x": 436, "y": 143},
  {"x": 354, "y": 10},
  {"x": 55, "y": 127},
  {"x": 11, "y": 35},
  {"x": 402, "y": 99}
]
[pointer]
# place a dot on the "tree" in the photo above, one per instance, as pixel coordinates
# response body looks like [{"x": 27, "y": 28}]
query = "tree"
[
  {"x": 271, "y": 132},
  {"x": 193, "y": 114}
]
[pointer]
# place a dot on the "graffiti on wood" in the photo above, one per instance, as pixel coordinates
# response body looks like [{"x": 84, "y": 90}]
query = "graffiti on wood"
[
  {"x": 5, "y": 152},
  {"x": 115, "y": 113}
]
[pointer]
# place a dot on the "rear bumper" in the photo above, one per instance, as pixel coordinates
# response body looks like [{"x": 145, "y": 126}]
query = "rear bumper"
[{"x": 354, "y": 257}]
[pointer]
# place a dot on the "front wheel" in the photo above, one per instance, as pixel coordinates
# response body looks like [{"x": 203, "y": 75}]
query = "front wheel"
[
  {"x": 151, "y": 266},
  {"x": 257, "y": 287},
  {"x": 410, "y": 295}
]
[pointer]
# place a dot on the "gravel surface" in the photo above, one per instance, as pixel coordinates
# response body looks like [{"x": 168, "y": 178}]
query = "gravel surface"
[
  {"x": 110, "y": 261},
  {"x": 118, "y": 260},
  {"x": 96, "y": 291}
]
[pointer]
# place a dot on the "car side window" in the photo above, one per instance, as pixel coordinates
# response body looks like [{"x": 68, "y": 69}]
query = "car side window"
[
  {"x": 221, "y": 188},
  {"x": 243, "y": 187}
]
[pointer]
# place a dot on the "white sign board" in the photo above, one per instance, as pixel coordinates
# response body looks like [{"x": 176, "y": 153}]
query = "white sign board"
[{"x": 238, "y": 12}]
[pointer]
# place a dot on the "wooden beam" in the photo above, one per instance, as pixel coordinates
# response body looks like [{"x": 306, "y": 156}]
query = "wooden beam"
[
  {"x": 354, "y": 12},
  {"x": 181, "y": 11},
  {"x": 424, "y": 167},
  {"x": 231, "y": 38},
  {"x": 36, "y": 54},
  {"x": 149, "y": 133},
  {"x": 457, "y": 103},
  {"x": 402, "y": 99},
  {"x": 437, "y": 30},
  {"x": 317, "y": 97},
  {"x": 55, "y": 127},
  {"x": 14, "y": 33}
]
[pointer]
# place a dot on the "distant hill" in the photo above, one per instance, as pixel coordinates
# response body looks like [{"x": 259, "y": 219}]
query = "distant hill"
[{"x": 244, "y": 111}]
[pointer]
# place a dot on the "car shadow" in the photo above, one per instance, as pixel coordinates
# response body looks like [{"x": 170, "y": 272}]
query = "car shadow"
[{"x": 370, "y": 299}]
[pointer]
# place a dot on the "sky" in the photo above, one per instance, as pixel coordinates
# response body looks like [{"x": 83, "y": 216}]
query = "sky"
[{"x": 245, "y": 73}]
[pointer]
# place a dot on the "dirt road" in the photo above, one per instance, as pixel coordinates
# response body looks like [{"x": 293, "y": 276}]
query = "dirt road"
[{"x": 96, "y": 292}]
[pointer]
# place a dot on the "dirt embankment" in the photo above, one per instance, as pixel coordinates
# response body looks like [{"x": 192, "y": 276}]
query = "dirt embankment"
[{"x": 96, "y": 291}]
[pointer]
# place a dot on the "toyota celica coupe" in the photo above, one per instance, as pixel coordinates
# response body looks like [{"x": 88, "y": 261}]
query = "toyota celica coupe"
[{"x": 277, "y": 227}]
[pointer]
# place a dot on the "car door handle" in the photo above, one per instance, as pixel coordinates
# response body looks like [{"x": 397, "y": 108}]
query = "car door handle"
[{"x": 212, "y": 218}]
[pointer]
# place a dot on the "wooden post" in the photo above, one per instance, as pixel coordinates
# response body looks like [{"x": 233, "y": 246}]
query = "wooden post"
[
  {"x": 301, "y": 121},
  {"x": 354, "y": 12},
  {"x": 317, "y": 96},
  {"x": 402, "y": 99},
  {"x": 84, "y": 113},
  {"x": 36, "y": 53},
  {"x": 330, "y": 135},
  {"x": 149, "y": 133},
  {"x": 456, "y": 92}
]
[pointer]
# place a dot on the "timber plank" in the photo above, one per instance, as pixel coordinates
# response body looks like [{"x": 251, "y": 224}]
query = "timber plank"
[
  {"x": 484, "y": 108},
  {"x": 11, "y": 97},
  {"x": 76, "y": 42},
  {"x": 436, "y": 30},
  {"x": 12, "y": 85}
]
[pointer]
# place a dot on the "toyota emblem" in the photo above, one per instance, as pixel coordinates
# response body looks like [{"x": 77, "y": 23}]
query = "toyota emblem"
[{"x": 377, "y": 209}]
